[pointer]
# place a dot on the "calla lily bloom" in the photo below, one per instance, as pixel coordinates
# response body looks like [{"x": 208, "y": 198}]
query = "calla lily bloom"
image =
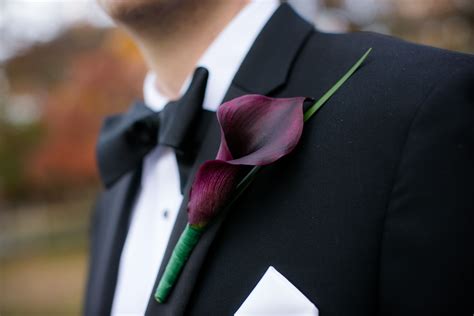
[{"x": 255, "y": 131}]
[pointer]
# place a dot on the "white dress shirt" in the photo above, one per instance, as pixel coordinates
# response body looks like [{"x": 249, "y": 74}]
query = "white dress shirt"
[{"x": 159, "y": 197}]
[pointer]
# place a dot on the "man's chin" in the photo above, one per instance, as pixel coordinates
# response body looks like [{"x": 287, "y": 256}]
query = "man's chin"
[{"x": 135, "y": 11}]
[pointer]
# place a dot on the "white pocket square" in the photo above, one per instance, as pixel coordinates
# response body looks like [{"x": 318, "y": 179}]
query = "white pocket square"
[{"x": 275, "y": 295}]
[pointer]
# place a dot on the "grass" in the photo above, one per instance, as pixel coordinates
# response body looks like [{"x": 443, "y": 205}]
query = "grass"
[
  {"x": 43, "y": 258},
  {"x": 49, "y": 283}
]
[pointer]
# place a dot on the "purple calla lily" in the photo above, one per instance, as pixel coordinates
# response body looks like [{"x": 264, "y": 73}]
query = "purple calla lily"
[{"x": 255, "y": 131}]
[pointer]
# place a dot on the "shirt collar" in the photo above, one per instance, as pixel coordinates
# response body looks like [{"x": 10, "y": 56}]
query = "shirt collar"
[{"x": 223, "y": 57}]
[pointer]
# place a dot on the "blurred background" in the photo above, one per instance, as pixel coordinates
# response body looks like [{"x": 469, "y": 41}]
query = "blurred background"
[{"x": 63, "y": 66}]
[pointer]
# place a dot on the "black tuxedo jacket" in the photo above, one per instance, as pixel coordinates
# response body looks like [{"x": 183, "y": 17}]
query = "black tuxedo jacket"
[{"x": 372, "y": 214}]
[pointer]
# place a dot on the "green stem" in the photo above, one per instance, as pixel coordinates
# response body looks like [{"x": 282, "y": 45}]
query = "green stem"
[
  {"x": 317, "y": 105},
  {"x": 180, "y": 255},
  {"x": 244, "y": 183}
]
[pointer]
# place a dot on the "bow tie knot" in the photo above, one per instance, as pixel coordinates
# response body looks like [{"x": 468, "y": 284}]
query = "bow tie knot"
[
  {"x": 126, "y": 138},
  {"x": 144, "y": 132}
]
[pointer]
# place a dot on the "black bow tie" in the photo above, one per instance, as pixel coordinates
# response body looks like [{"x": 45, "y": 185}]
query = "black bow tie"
[{"x": 126, "y": 138}]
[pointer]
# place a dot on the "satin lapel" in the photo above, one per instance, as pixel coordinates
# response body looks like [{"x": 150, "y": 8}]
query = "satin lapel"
[
  {"x": 180, "y": 294},
  {"x": 260, "y": 73},
  {"x": 114, "y": 208}
]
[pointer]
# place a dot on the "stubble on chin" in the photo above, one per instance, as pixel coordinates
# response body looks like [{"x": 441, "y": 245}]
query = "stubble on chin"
[{"x": 141, "y": 13}]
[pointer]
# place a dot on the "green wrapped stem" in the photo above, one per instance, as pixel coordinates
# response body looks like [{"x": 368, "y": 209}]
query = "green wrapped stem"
[{"x": 180, "y": 255}]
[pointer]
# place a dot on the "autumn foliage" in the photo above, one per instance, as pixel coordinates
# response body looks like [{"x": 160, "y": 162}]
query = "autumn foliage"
[{"x": 92, "y": 82}]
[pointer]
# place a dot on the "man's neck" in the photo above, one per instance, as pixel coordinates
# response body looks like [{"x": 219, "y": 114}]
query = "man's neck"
[{"x": 174, "y": 44}]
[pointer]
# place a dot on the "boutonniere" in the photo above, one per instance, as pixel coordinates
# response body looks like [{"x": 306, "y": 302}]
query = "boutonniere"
[{"x": 255, "y": 131}]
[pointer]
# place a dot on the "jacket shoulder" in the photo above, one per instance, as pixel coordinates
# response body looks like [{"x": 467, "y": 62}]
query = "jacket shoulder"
[
  {"x": 392, "y": 61},
  {"x": 396, "y": 77}
]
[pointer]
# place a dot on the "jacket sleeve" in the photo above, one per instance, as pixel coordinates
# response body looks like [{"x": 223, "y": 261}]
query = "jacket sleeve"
[{"x": 427, "y": 252}]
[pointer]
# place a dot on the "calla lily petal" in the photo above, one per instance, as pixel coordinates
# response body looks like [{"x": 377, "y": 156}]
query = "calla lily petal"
[
  {"x": 213, "y": 185},
  {"x": 255, "y": 131}
]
